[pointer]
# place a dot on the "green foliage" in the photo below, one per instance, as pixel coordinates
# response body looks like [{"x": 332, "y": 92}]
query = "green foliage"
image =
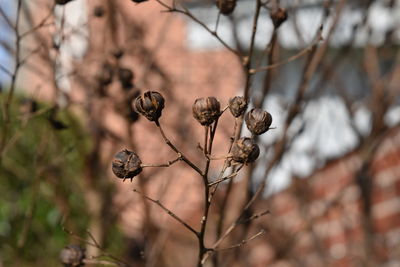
[{"x": 40, "y": 186}]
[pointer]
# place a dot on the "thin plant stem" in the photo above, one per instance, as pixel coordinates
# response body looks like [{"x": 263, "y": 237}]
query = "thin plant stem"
[
  {"x": 290, "y": 59},
  {"x": 237, "y": 222},
  {"x": 6, "y": 106},
  {"x": 187, "y": 13},
  {"x": 248, "y": 61},
  {"x": 206, "y": 128},
  {"x": 232, "y": 175},
  {"x": 165, "y": 165},
  {"x": 100, "y": 262},
  {"x": 243, "y": 242},
  {"x": 168, "y": 211},
  {"x": 207, "y": 202},
  {"x": 174, "y": 148},
  {"x": 95, "y": 244}
]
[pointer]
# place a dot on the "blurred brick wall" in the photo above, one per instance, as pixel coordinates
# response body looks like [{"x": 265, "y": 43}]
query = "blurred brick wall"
[
  {"x": 315, "y": 222},
  {"x": 318, "y": 220}
]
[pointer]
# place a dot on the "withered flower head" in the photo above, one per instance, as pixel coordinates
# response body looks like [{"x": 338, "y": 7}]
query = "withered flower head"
[
  {"x": 237, "y": 106},
  {"x": 125, "y": 76},
  {"x": 150, "y": 105},
  {"x": 258, "y": 121},
  {"x": 126, "y": 164},
  {"x": 72, "y": 255},
  {"x": 278, "y": 17},
  {"x": 244, "y": 150},
  {"x": 117, "y": 53},
  {"x": 98, "y": 11},
  {"x": 226, "y": 7},
  {"x": 206, "y": 110},
  {"x": 105, "y": 74},
  {"x": 62, "y": 2}
]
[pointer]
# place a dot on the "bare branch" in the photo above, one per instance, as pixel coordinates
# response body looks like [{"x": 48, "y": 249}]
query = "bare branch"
[
  {"x": 169, "y": 163},
  {"x": 168, "y": 211},
  {"x": 243, "y": 242},
  {"x": 230, "y": 176},
  {"x": 173, "y": 147},
  {"x": 187, "y": 13}
]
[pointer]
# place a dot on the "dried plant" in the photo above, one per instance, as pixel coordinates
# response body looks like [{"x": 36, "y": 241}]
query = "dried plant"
[
  {"x": 242, "y": 151},
  {"x": 95, "y": 100}
]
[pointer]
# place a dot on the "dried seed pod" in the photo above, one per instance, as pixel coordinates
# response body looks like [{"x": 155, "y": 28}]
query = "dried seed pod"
[
  {"x": 125, "y": 76},
  {"x": 258, "y": 121},
  {"x": 99, "y": 11},
  {"x": 226, "y": 7},
  {"x": 72, "y": 255},
  {"x": 105, "y": 74},
  {"x": 206, "y": 110},
  {"x": 126, "y": 164},
  {"x": 150, "y": 105},
  {"x": 62, "y": 2},
  {"x": 237, "y": 106},
  {"x": 117, "y": 53},
  {"x": 278, "y": 17},
  {"x": 244, "y": 150}
]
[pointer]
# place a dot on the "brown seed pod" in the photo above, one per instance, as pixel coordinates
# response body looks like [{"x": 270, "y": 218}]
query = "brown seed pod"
[
  {"x": 62, "y": 2},
  {"x": 206, "y": 110},
  {"x": 258, "y": 121},
  {"x": 105, "y": 74},
  {"x": 226, "y": 7},
  {"x": 237, "y": 106},
  {"x": 98, "y": 11},
  {"x": 244, "y": 150},
  {"x": 118, "y": 53},
  {"x": 278, "y": 17},
  {"x": 126, "y": 164},
  {"x": 72, "y": 255},
  {"x": 125, "y": 76},
  {"x": 150, "y": 105}
]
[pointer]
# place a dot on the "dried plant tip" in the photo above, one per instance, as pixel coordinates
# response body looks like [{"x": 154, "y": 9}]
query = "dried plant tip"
[
  {"x": 244, "y": 150},
  {"x": 99, "y": 11},
  {"x": 72, "y": 255},
  {"x": 258, "y": 121},
  {"x": 126, "y": 164},
  {"x": 206, "y": 110},
  {"x": 125, "y": 76},
  {"x": 226, "y": 7},
  {"x": 150, "y": 105},
  {"x": 105, "y": 74},
  {"x": 237, "y": 106},
  {"x": 62, "y": 2},
  {"x": 278, "y": 17},
  {"x": 117, "y": 53}
]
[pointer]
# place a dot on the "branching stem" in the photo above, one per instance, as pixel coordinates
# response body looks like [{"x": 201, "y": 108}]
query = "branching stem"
[
  {"x": 174, "y": 148},
  {"x": 165, "y": 165},
  {"x": 168, "y": 211}
]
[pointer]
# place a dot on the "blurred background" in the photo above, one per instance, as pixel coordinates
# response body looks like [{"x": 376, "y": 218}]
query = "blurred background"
[{"x": 328, "y": 71}]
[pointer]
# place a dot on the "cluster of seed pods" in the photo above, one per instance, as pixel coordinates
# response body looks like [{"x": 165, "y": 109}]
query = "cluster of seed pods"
[{"x": 206, "y": 111}]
